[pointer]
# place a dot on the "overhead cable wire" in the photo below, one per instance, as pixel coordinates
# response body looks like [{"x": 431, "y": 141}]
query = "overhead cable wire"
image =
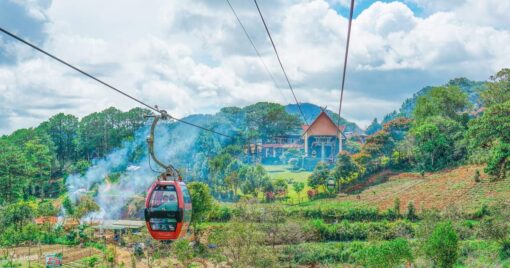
[
  {"x": 280, "y": 61},
  {"x": 345, "y": 62},
  {"x": 153, "y": 108},
  {"x": 256, "y": 50}
]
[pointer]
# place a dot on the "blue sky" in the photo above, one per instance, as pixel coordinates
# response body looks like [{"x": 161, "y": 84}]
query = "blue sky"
[
  {"x": 192, "y": 57},
  {"x": 364, "y": 4}
]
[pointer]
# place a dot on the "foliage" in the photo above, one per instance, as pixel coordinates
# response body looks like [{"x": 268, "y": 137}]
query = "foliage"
[
  {"x": 254, "y": 180},
  {"x": 220, "y": 213},
  {"x": 242, "y": 243},
  {"x": 345, "y": 169},
  {"x": 46, "y": 208},
  {"x": 17, "y": 214},
  {"x": 319, "y": 176},
  {"x": 442, "y": 245},
  {"x": 322, "y": 253},
  {"x": 84, "y": 206},
  {"x": 391, "y": 253},
  {"x": 411, "y": 212},
  {"x": 476, "y": 177},
  {"x": 202, "y": 202},
  {"x": 396, "y": 206},
  {"x": 269, "y": 119},
  {"x": 499, "y": 160},
  {"x": 183, "y": 251},
  {"x": 373, "y": 127},
  {"x": 498, "y": 89},
  {"x": 351, "y": 231},
  {"x": 298, "y": 188},
  {"x": 445, "y": 102},
  {"x": 68, "y": 205},
  {"x": 491, "y": 131},
  {"x": 13, "y": 172},
  {"x": 439, "y": 142}
]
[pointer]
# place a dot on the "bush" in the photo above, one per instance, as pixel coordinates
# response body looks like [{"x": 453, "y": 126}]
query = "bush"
[
  {"x": 321, "y": 253},
  {"x": 482, "y": 212},
  {"x": 220, "y": 214},
  {"x": 183, "y": 251},
  {"x": 442, "y": 245},
  {"x": 90, "y": 261},
  {"x": 477, "y": 176},
  {"x": 504, "y": 251},
  {"x": 386, "y": 254},
  {"x": 341, "y": 213},
  {"x": 411, "y": 212},
  {"x": 351, "y": 231}
]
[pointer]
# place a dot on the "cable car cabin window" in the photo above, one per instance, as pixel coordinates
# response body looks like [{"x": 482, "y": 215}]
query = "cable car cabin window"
[
  {"x": 164, "y": 208},
  {"x": 185, "y": 194},
  {"x": 187, "y": 202}
]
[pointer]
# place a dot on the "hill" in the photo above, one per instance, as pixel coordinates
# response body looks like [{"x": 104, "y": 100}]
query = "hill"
[
  {"x": 470, "y": 87},
  {"x": 442, "y": 190}
]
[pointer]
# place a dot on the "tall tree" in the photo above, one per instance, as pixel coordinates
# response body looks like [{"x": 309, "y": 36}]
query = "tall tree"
[
  {"x": 202, "y": 203},
  {"x": 254, "y": 180},
  {"x": 441, "y": 101},
  {"x": 344, "y": 170},
  {"x": 13, "y": 172},
  {"x": 439, "y": 142},
  {"x": 63, "y": 131},
  {"x": 491, "y": 131},
  {"x": 319, "y": 176},
  {"x": 39, "y": 159},
  {"x": 498, "y": 89},
  {"x": 373, "y": 127},
  {"x": 269, "y": 119}
]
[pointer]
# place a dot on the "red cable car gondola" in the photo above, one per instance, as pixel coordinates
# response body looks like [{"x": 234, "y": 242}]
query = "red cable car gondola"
[
  {"x": 168, "y": 203},
  {"x": 168, "y": 210}
]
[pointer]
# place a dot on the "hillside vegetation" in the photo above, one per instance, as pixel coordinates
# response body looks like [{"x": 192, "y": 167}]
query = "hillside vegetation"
[
  {"x": 428, "y": 189},
  {"x": 455, "y": 187}
]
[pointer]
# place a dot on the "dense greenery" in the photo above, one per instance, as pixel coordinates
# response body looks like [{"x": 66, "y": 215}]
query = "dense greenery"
[{"x": 260, "y": 226}]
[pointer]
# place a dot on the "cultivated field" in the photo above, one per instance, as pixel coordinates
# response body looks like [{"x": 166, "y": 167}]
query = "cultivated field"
[{"x": 448, "y": 188}]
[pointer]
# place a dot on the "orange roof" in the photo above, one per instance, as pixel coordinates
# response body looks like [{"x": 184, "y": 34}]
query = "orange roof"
[
  {"x": 322, "y": 125},
  {"x": 42, "y": 220}
]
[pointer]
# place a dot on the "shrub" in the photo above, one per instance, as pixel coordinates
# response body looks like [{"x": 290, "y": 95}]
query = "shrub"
[
  {"x": 504, "y": 251},
  {"x": 396, "y": 206},
  {"x": 183, "y": 251},
  {"x": 351, "y": 231},
  {"x": 341, "y": 213},
  {"x": 411, "y": 212},
  {"x": 321, "y": 253},
  {"x": 477, "y": 176},
  {"x": 442, "y": 245},
  {"x": 311, "y": 194},
  {"x": 386, "y": 254},
  {"x": 90, "y": 261},
  {"x": 482, "y": 212}
]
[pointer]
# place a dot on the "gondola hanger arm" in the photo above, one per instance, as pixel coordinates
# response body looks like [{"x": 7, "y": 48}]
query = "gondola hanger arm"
[{"x": 170, "y": 171}]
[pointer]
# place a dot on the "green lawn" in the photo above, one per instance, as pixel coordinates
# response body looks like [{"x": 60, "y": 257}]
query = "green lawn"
[{"x": 282, "y": 172}]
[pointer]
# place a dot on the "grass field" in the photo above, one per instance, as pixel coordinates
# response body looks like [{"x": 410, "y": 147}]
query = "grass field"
[{"x": 282, "y": 172}]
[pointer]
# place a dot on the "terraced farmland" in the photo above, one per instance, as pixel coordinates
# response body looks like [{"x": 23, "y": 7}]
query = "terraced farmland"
[{"x": 448, "y": 188}]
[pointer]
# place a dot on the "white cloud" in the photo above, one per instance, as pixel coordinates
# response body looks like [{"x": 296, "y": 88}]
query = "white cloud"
[{"x": 192, "y": 57}]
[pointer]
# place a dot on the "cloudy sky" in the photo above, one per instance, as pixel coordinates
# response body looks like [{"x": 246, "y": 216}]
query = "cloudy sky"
[{"x": 191, "y": 56}]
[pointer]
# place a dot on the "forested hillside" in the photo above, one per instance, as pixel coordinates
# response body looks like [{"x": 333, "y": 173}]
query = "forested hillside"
[
  {"x": 471, "y": 88},
  {"x": 428, "y": 189}
]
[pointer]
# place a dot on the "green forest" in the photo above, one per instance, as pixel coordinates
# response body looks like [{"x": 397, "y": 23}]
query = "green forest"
[{"x": 251, "y": 214}]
